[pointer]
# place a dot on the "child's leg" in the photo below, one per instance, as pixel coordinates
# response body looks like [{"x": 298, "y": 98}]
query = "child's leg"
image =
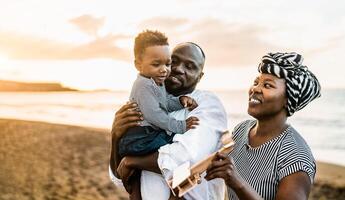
[{"x": 135, "y": 183}]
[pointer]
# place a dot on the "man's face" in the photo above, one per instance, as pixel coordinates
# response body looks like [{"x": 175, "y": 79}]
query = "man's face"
[{"x": 186, "y": 69}]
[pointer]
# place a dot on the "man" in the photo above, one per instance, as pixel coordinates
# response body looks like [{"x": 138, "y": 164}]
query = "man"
[{"x": 186, "y": 71}]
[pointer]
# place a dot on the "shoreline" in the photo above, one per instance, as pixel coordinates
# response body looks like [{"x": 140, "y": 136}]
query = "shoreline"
[{"x": 43, "y": 160}]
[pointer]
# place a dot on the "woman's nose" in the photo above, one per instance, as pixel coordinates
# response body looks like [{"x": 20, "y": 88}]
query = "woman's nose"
[{"x": 256, "y": 88}]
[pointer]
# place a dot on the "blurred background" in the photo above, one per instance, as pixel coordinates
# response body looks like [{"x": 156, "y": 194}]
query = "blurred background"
[{"x": 67, "y": 66}]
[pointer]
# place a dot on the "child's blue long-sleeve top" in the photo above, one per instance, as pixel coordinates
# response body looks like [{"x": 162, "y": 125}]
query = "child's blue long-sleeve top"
[{"x": 155, "y": 104}]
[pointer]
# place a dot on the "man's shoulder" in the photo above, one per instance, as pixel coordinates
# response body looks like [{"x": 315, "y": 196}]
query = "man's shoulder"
[{"x": 204, "y": 95}]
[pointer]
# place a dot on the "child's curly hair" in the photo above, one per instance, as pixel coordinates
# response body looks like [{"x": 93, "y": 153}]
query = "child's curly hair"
[{"x": 146, "y": 39}]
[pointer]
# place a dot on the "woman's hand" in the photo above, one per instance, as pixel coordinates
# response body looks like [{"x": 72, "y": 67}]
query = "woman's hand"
[
  {"x": 223, "y": 167},
  {"x": 126, "y": 117}
]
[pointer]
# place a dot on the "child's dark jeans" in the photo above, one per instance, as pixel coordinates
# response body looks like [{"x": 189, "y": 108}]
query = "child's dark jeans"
[{"x": 142, "y": 140}]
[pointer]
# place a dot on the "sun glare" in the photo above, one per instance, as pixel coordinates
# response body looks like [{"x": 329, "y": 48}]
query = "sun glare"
[{"x": 3, "y": 61}]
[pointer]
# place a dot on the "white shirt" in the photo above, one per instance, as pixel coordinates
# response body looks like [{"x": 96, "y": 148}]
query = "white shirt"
[{"x": 193, "y": 146}]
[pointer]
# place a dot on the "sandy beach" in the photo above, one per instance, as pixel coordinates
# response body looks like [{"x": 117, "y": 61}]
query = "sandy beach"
[{"x": 50, "y": 161}]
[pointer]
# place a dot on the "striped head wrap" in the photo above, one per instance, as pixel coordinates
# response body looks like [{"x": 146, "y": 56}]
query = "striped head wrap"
[{"x": 301, "y": 84}]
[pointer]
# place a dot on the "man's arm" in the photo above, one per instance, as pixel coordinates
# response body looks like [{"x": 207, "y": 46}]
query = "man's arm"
[
  {"x": 146, "y": 162},
  {"x": 195, "y": 144},
  {"x": 126, "y": 117}
]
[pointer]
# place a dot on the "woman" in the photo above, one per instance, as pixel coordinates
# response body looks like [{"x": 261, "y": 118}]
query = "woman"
[{"x": 270, "y": 159}]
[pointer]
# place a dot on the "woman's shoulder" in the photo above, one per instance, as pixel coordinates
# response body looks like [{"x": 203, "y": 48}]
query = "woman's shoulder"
[
  {"x": 294, "y": 148},
  {"x": 295, "y": 155},
  {"x": 295, "y": 141},
  {"x": 243, "y": 127}
]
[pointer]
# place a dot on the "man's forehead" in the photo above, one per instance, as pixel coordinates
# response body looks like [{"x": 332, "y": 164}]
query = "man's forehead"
[{"x": 188, "y": 51}]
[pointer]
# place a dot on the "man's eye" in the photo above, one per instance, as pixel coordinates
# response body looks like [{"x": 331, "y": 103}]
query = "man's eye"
[
  {"x": 255, "y": 83},
  {"x": 190, "y": 66}
]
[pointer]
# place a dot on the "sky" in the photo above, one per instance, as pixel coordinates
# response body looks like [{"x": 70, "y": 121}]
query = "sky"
[{"x": 87, "y": 44}]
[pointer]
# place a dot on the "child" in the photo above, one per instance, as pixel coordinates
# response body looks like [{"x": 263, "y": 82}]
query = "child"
[{"x": 152, "y": 60}]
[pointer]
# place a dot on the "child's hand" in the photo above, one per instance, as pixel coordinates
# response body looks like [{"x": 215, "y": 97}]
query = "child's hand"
[
  {"x": 188, "y": 102},
  {"x": 191, "y": 122}
]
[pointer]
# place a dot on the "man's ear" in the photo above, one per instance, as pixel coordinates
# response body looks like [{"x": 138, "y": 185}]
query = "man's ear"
[
  {"x": 200, "y": 76},
  {"x": 137, "y": 64}
]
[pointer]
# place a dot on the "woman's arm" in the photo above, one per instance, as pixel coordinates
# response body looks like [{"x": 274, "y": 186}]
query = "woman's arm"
[
  {"x": 223, "y": 167},
  {"x": 295, "y": 186},
  {"x": 126, "y": 117}
]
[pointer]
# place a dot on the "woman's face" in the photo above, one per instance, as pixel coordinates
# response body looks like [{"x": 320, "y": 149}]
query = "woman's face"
[{"x": 267, "y": 97}]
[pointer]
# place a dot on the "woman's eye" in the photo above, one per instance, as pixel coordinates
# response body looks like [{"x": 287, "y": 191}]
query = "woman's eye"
[{"x": 267, "y": 85}]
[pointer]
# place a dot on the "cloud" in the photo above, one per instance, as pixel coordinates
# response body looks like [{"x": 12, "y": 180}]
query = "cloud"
[
  {"x": 230, "y": 44},
  {"x": 225, "y": 44},
  {"x": 88, "y": 24},
  {"x": 19, "y": 46},
  {"x": 332, "y": 43},
  {"x": 162, "y": 23}
]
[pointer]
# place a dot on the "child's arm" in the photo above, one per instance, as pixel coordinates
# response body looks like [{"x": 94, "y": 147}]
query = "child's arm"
[
  {"x": 149, "y": 105},
  {"x": 177, "y": 103},
  {"x": 173, "y": 103}
]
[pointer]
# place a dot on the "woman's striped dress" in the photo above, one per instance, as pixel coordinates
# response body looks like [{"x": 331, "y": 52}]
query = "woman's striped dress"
[{"x": 264, "y": 166}]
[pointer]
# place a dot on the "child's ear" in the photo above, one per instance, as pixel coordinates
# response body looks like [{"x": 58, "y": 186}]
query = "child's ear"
[{"x": 137, "y": 64}]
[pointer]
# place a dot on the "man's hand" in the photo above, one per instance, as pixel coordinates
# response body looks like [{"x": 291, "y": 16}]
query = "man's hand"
[
  {"x": 191, "y": 122},
  {"x": 188, "y": 102},
  {"x": 125, "y": 172},
  {"x": 126, "y": 117}
]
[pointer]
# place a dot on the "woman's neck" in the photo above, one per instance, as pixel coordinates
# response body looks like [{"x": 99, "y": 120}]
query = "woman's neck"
[{"x": 267, "y": 129}]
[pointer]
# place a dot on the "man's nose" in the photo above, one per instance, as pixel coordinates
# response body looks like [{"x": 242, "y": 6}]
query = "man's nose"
[{"x": 178, "y": 69}]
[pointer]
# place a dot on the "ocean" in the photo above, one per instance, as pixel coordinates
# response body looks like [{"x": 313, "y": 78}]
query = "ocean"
[{"x": 321, "y": 123}]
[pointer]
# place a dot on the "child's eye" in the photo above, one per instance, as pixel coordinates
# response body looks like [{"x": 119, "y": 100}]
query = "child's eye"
[{"x": 155, "y": 64}]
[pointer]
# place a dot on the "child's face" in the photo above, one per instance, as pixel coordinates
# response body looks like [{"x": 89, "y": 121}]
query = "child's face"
[{"x": 155, "y": 63}]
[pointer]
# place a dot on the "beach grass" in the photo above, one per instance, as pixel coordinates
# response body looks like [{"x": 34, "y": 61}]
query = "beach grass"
[{"x": 49, "y": 161}]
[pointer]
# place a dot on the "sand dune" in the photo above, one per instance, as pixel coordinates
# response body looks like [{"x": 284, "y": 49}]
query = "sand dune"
[{"x": 50, "y": 161}]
